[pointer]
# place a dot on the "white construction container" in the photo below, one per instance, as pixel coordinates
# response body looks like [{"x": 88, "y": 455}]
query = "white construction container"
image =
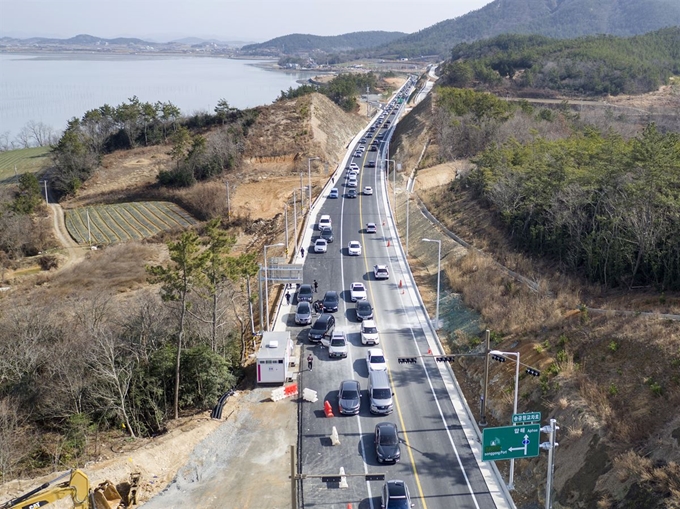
[{"x": 273, "y": 358}]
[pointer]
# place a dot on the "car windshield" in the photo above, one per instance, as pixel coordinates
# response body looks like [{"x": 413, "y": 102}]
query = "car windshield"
[
  {"x": 303, "y": 307},
  {"x": 370, "y": 330},
  {"x": 381, "y": 393},
  {"x": 337, "y": 342},
  {"x": 377, "y": 359},
  {"x": 319, "y": 326},
  {"x": 305, "y": 291},
  {"x": 351, "y": 394},
  {"x": 386, "y": 437}
]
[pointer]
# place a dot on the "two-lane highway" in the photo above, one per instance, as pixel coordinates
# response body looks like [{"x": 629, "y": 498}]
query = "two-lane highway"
[{"x": 437, "y": 462}]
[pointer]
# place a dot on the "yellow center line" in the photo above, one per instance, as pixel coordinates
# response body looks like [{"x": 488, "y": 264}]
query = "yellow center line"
[{"x": 389, "y": 373}]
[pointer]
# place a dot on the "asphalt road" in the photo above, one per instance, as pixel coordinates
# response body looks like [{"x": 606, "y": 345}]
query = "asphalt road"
[{"x": 437, "y": 462}]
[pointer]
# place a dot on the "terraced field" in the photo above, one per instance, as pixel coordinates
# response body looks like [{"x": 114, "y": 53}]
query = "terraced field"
[
  {"x": 23, "y": 160},
  {"x": 125, "y": 221}
]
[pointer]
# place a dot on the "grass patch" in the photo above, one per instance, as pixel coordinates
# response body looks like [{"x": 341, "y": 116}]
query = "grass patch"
[{"x": 25, "y": 160}]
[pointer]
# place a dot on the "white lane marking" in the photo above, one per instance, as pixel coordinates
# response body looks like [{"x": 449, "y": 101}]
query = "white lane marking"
[
  {"x": 349, "y": 350},
  {"x": 429, "y": 381}
]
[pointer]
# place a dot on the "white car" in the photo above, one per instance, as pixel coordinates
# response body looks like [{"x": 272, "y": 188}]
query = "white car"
[
  {"x": 381, "y": 272},
  {"x": 368, "y": 190},
  {"x": 357, "y": 291},
  {"x": 337, "y": 345},
  {"x": 320, "y": 246},
  {"x": 371, "y": 228},
  {"x": 325, "y": 222},
  {"x": 354, "y": 248},
  {"x": 352, "y": 182},
  {"x": 375, "y": 360},
  {"x": 354, "y": 166},
  {"x": 369, "y": 333}
]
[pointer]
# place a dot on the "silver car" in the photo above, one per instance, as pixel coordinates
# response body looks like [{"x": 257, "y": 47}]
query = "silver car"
[
  {"x": 303, "y": 313},
  {"x": 349, "y": 397}
]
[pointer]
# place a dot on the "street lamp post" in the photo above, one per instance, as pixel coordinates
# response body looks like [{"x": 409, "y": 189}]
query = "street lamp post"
[
  {"x": 309, "y": 178},
  {"x": 511, "y": 480},
  {"x": 439, "y": 271},
  {"x": 266, "y": 281},
  {"x": 295, "y": 221}
]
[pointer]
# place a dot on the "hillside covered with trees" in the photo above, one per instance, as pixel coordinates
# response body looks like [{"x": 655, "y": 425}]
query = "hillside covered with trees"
[
  {"x": 594, "y": 65},
  {"x": 294, "y": 44},
  {"x": 552, "y": 18}
]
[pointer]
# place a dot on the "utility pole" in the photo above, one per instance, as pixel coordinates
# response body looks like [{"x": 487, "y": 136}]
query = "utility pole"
[
  {"x": 408, "y": 200},
  {"x": 302, "y": 195},
  {"x": 89, "y": 236},
  {"x": 228, "y": 201}
]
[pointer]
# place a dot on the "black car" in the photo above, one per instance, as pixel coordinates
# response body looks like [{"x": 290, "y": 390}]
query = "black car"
[
  {"x": 327, "y": 235},
  {"x": 330, "y": 302},
  {"x": 324, "y": 326},
  {"x": 364, "y": 310},
  {"x": 370, "y": 164},
  {"x": 395, "y": 495},
  {"x": 373, "y": 148},
  {"x": 387, "y": 442},
  {"x": 305, "y": 293},
  {"x": 352, "y": 193}
]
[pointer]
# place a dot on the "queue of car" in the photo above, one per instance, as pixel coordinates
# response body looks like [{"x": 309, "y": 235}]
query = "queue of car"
[{"x": 395, "y": 493}]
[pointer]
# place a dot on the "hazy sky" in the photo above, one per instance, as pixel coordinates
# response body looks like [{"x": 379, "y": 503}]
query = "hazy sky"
[{"x": 245, "y": 20}]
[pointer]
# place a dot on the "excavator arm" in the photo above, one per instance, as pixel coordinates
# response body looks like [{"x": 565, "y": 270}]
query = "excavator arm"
[
  {"x": 104, "y": 496},
  {"x": 77, "y": 487}
]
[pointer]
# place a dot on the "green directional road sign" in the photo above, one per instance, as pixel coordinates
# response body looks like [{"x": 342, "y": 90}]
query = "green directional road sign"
[
  {"x": 529, "y": 417},
  {"x": 508, "y": 442}
]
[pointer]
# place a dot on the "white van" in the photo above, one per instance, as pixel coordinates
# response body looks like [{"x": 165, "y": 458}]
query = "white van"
[{"x": 380, "y": 393}]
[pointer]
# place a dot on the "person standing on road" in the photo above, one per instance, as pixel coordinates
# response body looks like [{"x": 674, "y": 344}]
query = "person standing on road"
[
  {"x": 316, "y": 286},
  {"x": 310, "y": 361},
  {"x": 302, "y": 252},
  {"x": 288, "y": 297}
]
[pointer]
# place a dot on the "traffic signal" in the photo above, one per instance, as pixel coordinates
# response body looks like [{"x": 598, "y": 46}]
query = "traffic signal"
[
  {"x": 533, "y": 372},
  {"x": 407, "y": 360},
  {"x": 330, "y": 478},
  {"x": 498, "y": 358},
  {"x": 375, "y": 477},
  {"x": 445, "y": 358}
]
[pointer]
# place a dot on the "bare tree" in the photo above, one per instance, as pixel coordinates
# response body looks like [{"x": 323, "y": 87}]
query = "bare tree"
[
  {"x": 13, "y": 441},
  {"x": 5, "y": 142},
  {"x": 23, "y": 138},
  {"x": 113, "y": 365},
  {"x": 42, "y": 134}
]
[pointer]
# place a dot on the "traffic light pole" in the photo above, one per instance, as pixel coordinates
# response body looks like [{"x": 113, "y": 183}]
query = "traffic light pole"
[{"x": 482, "y": 410}]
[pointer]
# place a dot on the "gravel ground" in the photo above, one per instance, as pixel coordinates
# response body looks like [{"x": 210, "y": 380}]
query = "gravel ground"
[{"x": 244, "y": 463}]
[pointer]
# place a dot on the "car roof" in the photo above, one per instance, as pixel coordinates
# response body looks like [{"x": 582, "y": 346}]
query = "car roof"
[
  {"x": 305, "y": 287},
  {"x": 368, "y": 323},
  {"x": 374, "y": 351},
  {"x": 331, "y": 293},
  {"x": 303, "y": 304}
]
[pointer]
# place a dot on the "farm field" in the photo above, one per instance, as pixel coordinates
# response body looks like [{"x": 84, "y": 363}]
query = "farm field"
[
  {"x": 25, "y": 160},
  {"x": 125, "y": 221}
]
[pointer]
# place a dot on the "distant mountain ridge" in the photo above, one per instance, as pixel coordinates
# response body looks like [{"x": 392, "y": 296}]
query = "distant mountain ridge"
[
  {"x": 301, "y": 43},
  {"x": 553, "y": 18}
]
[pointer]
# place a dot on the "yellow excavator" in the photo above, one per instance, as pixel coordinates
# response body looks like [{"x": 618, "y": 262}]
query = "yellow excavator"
[{"x": 104, "y": 496}]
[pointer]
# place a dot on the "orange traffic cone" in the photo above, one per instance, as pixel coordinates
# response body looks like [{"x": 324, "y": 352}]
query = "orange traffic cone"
[
  {"x": 400, "y": 283},
  {"x": 388, "y": 243},
  {"x": 327, "y": 409},
  {"x": 429, "y": 351}
]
